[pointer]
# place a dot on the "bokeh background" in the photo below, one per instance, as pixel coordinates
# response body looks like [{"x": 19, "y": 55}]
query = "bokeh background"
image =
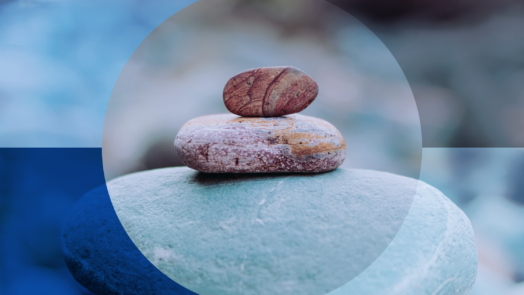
[
  {"x": 464, "y": 61},
  {"x": 179, "y": 72}
]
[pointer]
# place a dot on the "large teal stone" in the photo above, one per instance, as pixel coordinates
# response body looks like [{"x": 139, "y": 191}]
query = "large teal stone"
[
  {"x": 100, "y": 255},
  {"x": 297, "y": 234},
  {"x": 434, "y": 253}
]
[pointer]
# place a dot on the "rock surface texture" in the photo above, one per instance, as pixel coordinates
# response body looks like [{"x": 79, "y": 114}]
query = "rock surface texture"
[
  {"x": 434, "y": 252},
  {"x": 230, "y": 144},
  {"x": 102, "y": 257},
  {"x": 295, "y": 234},
  {"x": 270, "y": 91}
]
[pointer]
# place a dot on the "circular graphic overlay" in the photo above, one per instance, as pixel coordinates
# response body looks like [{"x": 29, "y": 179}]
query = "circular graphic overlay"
[{"x": 178, "y": 73}]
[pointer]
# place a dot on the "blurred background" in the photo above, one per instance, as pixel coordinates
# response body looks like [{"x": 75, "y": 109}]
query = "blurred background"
[
  {"x": 179, "y": 72},
  {"x": 464, "y": 61}
]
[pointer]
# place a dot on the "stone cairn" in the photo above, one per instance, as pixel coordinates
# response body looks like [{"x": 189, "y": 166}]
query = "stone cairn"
[
  {"x": 176, "y": 231},
  {"x": 266, "y": 137}
]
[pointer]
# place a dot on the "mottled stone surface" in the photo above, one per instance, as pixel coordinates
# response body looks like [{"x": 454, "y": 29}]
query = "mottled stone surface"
[
  {"x": 346, "y": 232},
  {"x": 270, "y": 91},
  {"x": 434, "y": 252},
  {"x": 102, "y": 257},
  {"x": 227, "y": 143},
  {"x": 261, "y": 233}
]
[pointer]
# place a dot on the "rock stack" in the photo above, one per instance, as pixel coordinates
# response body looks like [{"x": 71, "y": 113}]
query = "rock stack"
[
  {"x": 351, "y": 231},
  {"x": 269, "y": 136}
]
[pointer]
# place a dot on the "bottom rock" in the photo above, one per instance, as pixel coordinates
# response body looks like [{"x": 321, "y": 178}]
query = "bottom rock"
[
  {"x": 102, "y": 257},
  {"x": 434, "y": 252},
  {"x": 273, "y": 229}
]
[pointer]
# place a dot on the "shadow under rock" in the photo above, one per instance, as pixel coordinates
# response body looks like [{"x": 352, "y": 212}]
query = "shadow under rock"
[{"x": 203, "y": 178}]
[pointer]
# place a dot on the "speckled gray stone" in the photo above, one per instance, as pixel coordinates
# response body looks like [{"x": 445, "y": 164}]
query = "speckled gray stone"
[{"x": 227, "y": 143}]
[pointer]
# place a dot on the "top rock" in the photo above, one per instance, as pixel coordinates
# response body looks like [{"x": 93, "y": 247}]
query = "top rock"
[{"x": 269, "y": 92}]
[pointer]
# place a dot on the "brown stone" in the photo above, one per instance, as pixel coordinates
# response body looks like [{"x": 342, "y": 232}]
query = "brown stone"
[
  {"x": 270, "y": 91},
  {"x": 227, "y": 143}
]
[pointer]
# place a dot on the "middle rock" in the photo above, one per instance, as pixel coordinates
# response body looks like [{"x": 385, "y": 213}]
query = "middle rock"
[{"x": 230, "y": 144}]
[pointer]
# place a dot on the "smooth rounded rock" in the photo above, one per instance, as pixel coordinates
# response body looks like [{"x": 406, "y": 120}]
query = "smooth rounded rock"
[
  {"x": 434, "y": 252},
  {"x": 270, "y": 234},
  {"x": 298, "y": 234},
  {"x": 227, "y": 143},
  {"x": 269, "y": 91},
  {"x": 102, "y": 257}
]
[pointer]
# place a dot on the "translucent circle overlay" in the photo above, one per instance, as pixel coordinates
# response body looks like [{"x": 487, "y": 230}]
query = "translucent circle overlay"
[{"x": 179, "y": 71}]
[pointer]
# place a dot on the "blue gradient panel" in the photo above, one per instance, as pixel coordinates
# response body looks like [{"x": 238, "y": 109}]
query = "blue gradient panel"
[{"x": 39, "y": 188}]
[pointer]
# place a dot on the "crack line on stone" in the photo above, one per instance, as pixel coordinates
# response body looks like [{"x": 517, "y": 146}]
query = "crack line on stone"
[{"x": 270, "y": 88}]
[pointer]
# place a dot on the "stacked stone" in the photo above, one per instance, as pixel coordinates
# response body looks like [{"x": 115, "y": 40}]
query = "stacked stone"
[
  {"x": 177, "y": 231},
  {"x": 268, "y": 136}
]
